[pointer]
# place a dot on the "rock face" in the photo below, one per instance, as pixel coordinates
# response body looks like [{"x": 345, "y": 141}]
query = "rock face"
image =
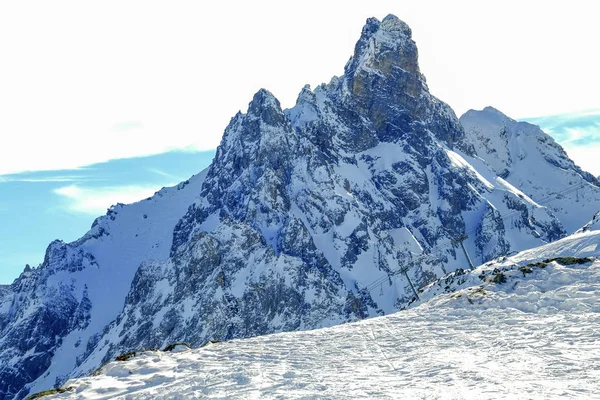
[{"x": 304, "y": 219}]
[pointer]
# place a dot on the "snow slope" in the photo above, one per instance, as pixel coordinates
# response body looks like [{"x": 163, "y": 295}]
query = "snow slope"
[
  {"x": 528, "y": 158},
  {"x": 533, "y": 336},
  {"x": 89, "y": 278}
]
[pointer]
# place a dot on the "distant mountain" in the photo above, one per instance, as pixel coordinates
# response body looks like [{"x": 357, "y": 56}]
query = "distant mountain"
[
  {"x": 50, "y": 313},
  {"x": 337, "y": 209},
  {"x": 531, "y": 160}
]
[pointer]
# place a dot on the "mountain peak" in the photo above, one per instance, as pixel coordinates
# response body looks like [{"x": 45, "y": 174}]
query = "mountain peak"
[
  {"x": 385, "y": 64},
  {"x": 371, "y": 26},
  {"x": 263, "y": 99},
  {"x": 490, "y": 114},
  {"x": 494, "y": 110},
  {"x": 489, "y": 110},
  {"x": 391, "y": 23},
  {"x": 384, "y": 45},
  {"x": 267, "y": 108}
]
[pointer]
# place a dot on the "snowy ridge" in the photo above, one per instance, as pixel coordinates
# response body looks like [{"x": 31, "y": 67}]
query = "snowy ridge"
[
  {"x": 325, "y": 213},
  {"x": 593, "y": 225},
  {"x": 531, "y": 160},
  {"x": 533, "y": 335},
  {"x": 541, "y": 271},
  {"x": 54, "y": 310}
]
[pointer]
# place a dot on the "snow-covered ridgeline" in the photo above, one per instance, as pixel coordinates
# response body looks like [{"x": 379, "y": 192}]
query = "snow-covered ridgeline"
[
  {"x": 531, "y": 160},
  {"x": 50, "y": 314}
]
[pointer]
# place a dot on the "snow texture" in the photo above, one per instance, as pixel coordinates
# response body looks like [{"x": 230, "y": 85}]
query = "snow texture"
[{"x": 533, "y": 336}]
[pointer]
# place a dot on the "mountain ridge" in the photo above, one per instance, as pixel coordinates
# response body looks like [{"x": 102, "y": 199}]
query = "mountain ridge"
[
  {"x": 500, "y": 141},
  {"x": 299, "y": 213}
]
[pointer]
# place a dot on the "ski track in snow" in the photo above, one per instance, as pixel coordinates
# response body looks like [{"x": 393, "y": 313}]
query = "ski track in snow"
[
  {"x": 452, "y": 347},
  {"x": 497, "y": 353}
]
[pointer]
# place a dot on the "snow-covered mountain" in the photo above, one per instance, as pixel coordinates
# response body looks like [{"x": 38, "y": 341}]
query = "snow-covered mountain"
[
  {"x": 49, "y": 314},
  {"x": 532, "y": 334},
  {"x": 303, "y": 220},
  {"x": 531, "y": 160}
]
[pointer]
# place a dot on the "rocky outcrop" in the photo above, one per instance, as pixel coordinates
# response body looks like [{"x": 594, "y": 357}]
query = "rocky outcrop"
[{"x": 593, "y": 225}]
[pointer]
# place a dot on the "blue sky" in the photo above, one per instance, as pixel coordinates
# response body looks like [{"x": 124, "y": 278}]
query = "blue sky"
[
  {"x": 38, "y": 207},
  {"x": 578, "y": 133}
]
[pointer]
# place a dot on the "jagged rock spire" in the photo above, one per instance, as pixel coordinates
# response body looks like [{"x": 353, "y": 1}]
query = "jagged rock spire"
[
  {"x": 263, "y": 125},
  {"x": 385, "y": 59},
  {"x": 267, "y": 108},
  {"x": 383, "y": 46}
]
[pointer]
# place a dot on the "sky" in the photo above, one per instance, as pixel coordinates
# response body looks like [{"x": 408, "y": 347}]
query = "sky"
[
  {"x": 578, "y": 133},
  {"x": 39, "y": 207},
  {"x": 89, "y": 90}
]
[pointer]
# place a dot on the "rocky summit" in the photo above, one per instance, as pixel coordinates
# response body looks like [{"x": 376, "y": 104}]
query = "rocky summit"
[{"x": 337, "y": 209}]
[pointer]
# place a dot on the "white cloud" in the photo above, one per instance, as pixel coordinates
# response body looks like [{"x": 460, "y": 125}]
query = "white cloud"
[
  {"x": 582, "y": 136},
  {"x": 578, "y": 133},
  {"x": 586, "y": 113},
  {"x": 586, "y": 157},
  {"x": 165, "y": 174},
  {"x": 75, "y": 93},
  {"x": 574, "y": 134},
  {"x": 95, "y": 200},
  {"x": 17, "y": 178}
]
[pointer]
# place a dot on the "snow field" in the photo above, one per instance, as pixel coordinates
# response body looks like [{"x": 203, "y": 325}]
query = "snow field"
[{"x": 535, "y": 335}]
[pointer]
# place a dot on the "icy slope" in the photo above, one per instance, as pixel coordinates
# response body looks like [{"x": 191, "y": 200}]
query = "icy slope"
[
  {"x": 50, "y": 314},
  {"x": 533, "y": 336},
  {"x": 531, "y": 160}
]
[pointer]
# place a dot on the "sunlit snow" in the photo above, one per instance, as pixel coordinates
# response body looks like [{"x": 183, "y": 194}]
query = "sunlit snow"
[{"x": 533, "y": 336}]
